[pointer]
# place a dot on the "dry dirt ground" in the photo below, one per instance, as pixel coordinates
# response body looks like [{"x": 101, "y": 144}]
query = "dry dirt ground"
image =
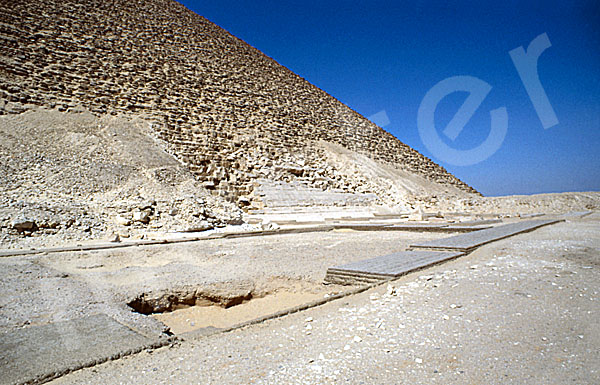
[{"x": 521, "y": 310}]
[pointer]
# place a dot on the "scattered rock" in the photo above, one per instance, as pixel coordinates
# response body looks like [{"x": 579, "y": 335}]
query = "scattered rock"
[
  {"x": 77, "y": 109},
  {"x": 417, "y": 215},
  {"x": 119, "y": 220},
  {"x": 391, "y": 290},
  {"x": 268, "y": 225},
  {"x": 141, "y": 216},
  {"x": 23, "y": 225},
  {"x": 244, "y": 202},
  {"x": 196, "y": 227},
  {"x": 14, "y": 108}
]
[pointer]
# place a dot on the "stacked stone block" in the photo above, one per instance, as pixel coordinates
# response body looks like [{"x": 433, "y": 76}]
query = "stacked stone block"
[{"x": 227, "y": 111}]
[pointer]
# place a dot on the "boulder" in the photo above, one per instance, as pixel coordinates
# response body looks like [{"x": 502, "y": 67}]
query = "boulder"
[
  {"x": 268, "y": 225},
  {"x": 141, "y": 216},
  {"x": 417, "y": 215},
  {"x": 119, "y": 220},
  {"x": 22, "y": 225}
]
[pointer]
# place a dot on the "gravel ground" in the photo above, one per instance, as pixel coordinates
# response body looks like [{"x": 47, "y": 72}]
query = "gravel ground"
[{"x": 521, "y": 310}]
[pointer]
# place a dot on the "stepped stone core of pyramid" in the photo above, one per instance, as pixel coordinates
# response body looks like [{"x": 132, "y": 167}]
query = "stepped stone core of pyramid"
[{"x": 229, "y": 113}]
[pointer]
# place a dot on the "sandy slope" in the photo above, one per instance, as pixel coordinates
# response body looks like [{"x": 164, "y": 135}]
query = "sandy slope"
[{"x": 74, "y": 173}]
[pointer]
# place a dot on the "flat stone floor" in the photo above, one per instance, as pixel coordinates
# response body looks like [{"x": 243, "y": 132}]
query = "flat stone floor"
[
  {"x": 32, "y": 353},
  {"x": 390, "y": 265},
  {"x": 469, "y": 241},
  {"x": 521, "y": 310}
]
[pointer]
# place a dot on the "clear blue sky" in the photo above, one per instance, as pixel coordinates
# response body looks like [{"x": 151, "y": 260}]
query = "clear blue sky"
[{"x": 386, "y": 55}]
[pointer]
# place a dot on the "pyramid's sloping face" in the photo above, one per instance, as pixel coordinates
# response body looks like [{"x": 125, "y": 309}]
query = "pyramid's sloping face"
[{"x": 218, "y": 104}]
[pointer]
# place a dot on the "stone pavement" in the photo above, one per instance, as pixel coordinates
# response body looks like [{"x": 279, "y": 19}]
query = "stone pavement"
[
  {"x": 386, "y": 267},
  {"x": 39, "y": 353},
  {"x": 468, "y": 242}
]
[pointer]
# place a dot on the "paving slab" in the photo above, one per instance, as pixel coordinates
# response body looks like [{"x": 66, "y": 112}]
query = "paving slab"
[
  {"x": 418, "y": 227},
  {"x": 349, "y": 219},
  {"x": 386, "y": 266},
  {"x": 469, "y": 241},
  {"x": 438, "y": 228},
  {"x": 576, "y": 214},
  {"x": 39, "y": 353},
  {"x": 391, "y": 216},
  {"x": 478, "y": 222},
  {"x": 362, "y": 226},
  {"x": 525, "y": 216},
  {"x": 164, "y": 241},
  {"x": 466, "y": 229}
]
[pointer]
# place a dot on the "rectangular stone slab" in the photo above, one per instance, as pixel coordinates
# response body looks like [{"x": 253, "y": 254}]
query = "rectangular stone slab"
[
  {"x": 469, "y": 241},
  {"x": 466, "y": 229},
  {"x": 439, "y": 228},
  {"x": 477, "y": 222},
  {"x": 525, "y": 216},
  {"x": 418, "y": 226},
  {"x": 387, "y": 266},
  {"x": 40, "y": 353},
  {"x": 576, "y": 214},
  {"x": 362, "y": 226}
]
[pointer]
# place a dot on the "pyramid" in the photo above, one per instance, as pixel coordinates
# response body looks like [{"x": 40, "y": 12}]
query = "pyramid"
[{"x": 233, "y": 116}]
